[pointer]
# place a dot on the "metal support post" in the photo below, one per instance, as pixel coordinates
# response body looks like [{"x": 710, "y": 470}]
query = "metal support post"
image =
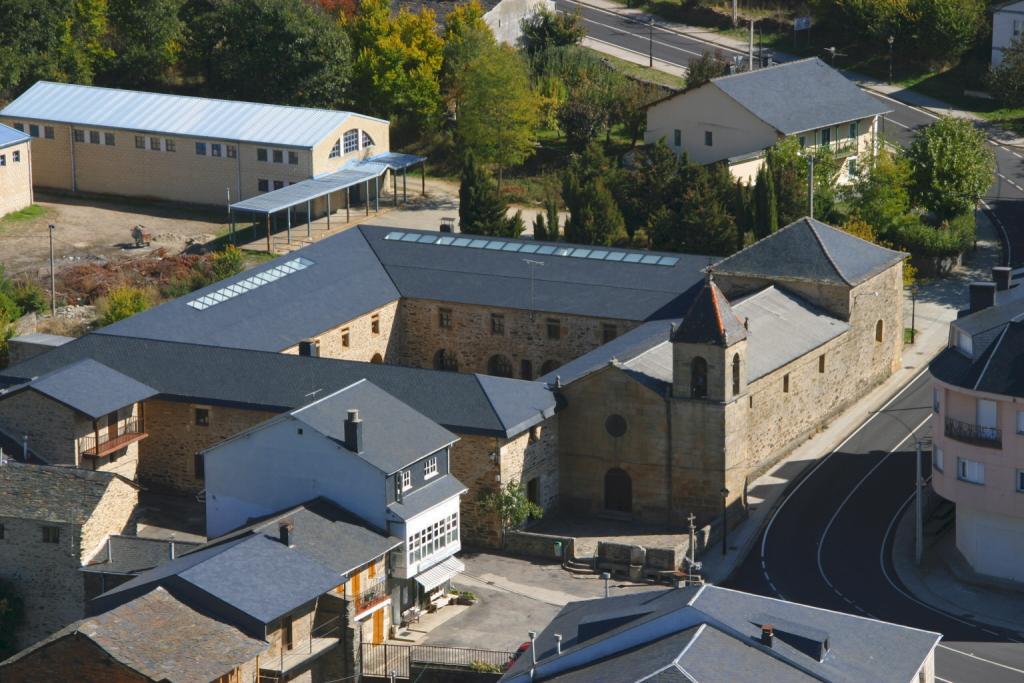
[
  {"x": 53, "y": 286},
  {"x": 376, "y": 194},
  {"x": 348, "y": 204},
  {"x": 309, "y": 218},
  {"x": 269, "y": 250},
  {"x": 328, "y": 210},
  {"x": 750, "y": 49},
  {"x": 423, "y": 177},
  {"x": 405, "y": 195},
  {"x": 366, "y": 197},
  {"x": 394, "y": 188},
  {"x": 288, "y": 214}
]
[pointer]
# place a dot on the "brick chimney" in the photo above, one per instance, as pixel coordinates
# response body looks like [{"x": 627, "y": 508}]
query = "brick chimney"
[
  {"x": 767, "y": 635},
  {"x": 284, "y": 531},
  {"x": 354, "y": 432}
]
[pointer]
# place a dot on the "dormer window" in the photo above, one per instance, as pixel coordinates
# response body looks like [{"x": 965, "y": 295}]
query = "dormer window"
[
  {"x": 964, "y": 343},
  {"x": 406, "y": 480},
  {"x": 430, "y": 467}
]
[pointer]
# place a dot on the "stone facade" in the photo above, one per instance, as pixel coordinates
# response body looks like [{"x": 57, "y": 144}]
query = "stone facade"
[
  {"x": 369, "y": 338},
  {"x": 167, "y": 458},
  {"x": 70, "y": 658},
  {"x": 476, "y": 334},
  {"x": 15, "y": 177},
  {"x": 46, "y": 574}
]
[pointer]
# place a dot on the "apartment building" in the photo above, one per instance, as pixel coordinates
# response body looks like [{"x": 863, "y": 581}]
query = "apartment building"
[
  {"x": 184, "y": 149},
  {"x": 15, "y": 170},
  {"x": 978, "y": 428},
  {"x": 734, "y": 119}
]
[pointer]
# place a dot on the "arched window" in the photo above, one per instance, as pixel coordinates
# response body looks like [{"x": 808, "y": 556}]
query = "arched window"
[
  {"x": 350, "y": 141},
  {"x": 446, "y": 360},
  {"x": 377, "y": 359},
  {"x": 618, "y": 491},
  {"x": 698, "y": 378},
  {"x": 499, "y": 366},
  {"x": 879, "y": 328},
  {"x": 336, "y": 150},
  {"x": 549, "y": 366},
  {"x": 735, "y": 374},
  {"x": 367, "y": 140}
]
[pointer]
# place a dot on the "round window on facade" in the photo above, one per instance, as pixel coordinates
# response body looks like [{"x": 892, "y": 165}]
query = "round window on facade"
[{"x": 615, "y": 425}]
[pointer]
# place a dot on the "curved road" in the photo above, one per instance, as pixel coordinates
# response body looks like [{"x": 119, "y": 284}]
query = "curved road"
[{"x": 1004, "y": 200}]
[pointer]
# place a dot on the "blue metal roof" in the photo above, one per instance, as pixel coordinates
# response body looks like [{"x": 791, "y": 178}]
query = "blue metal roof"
[
  {"x": 308, "y": 190},
  {"x": 84, "y": 105},
  {"x": 9, "y": 136},
  {"x": 397, "y": 160}
]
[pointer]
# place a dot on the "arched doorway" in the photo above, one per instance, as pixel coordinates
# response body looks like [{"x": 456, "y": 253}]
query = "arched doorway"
[
  {"x": 618, "y": 491},
  {"x": 499, "y": 366},
  {"x": 377, "y": 359}
]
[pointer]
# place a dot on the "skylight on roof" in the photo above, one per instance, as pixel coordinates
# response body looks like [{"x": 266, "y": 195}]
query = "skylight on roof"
[
  {"x": 531, "y": 248},
  {"x": 253, "y": 281}
]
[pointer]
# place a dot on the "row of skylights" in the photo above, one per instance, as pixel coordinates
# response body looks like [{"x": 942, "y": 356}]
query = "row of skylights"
[
  {"x": 250, "y": 283},
  {"x": 597, "y": 254}
]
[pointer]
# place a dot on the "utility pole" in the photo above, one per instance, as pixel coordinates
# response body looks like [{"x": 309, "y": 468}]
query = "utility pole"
[
  {"x": 650, "y": 41},
  {"x": 53, "y": 286},
  {"x": 891, "y": 39},
  {"x": 919, "y": 522},
  {"x": 533, "y": 266},
  {"x": 750, "y": 50},
  {"x": 735, "y": 12},
  {"x": 913, "y": 312},
  {"x": 691, "y": 518},
  {"x": 725, "y": 520}
]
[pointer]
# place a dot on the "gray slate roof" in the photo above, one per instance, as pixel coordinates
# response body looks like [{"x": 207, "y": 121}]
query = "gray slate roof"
[
  {"x": 799, "y": 96},
  {"x": 162, "y": 639},
  {"x": 10, "y": 136},
  {"x": 710, "y": 320},
  {"x": 999, "y": 370},
  {"x": 860, "y": 649},
  {"x": 91, "y": 388},
  {"x": 394, "y": 435},
  {"x": 255, "y": 575},
  {"x": 424, "y": 497},
  {"x": 463, "y": 403},
  {"x": 52, "y": 494},
  {"x": 327, "y": 533},
  {"x": 812, "y": 251},
  {"x": 135, "y": 554},
  {"x": 624, "y": 347},
  {"x": 177, "y": 115}
]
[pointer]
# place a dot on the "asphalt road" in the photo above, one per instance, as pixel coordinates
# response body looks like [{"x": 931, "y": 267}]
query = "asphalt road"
[{"x": 1004, "y": 200}]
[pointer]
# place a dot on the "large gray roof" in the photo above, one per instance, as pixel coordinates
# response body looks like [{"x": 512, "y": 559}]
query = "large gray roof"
[
  {"x": 45, "y": 493},
  {"x": 394, "y": 435},
  {"x": 812, "y": 251},
  {"x": 799, "y": 96},
  {"x": 91, "y": 388},
  {"x": 178, "y": 115},
  {"x": 162, "y": 639},
  {"x": 463, "y": 403},
  {"x": 859, "y": 649}
]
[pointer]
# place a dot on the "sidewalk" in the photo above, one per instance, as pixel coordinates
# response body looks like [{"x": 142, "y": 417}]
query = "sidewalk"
[{"x": 937, "y": 305}]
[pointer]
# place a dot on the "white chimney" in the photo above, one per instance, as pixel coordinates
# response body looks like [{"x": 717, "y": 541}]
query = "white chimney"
[{"x": 558, "y": 643}]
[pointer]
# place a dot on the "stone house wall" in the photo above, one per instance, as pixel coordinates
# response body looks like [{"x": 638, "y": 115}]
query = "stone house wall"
[
  {"x": 470, "y": 460},
  {"x": 112, "y": 515},
  {"x": 363, "y": 343},
  {"x": 302, "y": 626},
  {"x": 51, "y": 426},
  {"x": 534, "y": 455},
  {"x": 472, "y": 341},
  {"x": 167, "y": 457},
  {"x": 70, "y": 658}
]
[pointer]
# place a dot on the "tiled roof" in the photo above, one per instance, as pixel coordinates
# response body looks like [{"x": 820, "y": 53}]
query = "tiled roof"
[
  {"x": 799, "y": 96},
  {"x": 811, "y": 251},
  {"x": 162, "y": 639},
  {"x": 59, "y": 495},
  {"x": 91, "y": 388},
  {"x": 394, "y": 435},
  {"x": 710, "y": 320}
]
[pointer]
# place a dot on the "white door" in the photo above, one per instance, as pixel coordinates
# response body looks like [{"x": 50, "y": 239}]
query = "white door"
[{"x": 986, "y": 413}]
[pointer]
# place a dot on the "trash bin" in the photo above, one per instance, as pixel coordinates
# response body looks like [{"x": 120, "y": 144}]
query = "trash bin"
[{"x": 558, "y": 548}]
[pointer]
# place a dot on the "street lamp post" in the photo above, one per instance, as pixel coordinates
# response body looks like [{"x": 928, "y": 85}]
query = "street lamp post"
[
  {"x": 891, "y": 39},
  {"x": 725, "y": 520},
  {"x": 650, "y": 41},
  {"x": 913, "y": 312},
  {"x": 53, "y": 287}
]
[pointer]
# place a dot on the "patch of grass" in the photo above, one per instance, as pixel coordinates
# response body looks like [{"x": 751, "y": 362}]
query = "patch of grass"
[
  {"x": 908, "y": 335},
  {"x": 28, "y": 213},
  {"x": 642, "y": 73}
]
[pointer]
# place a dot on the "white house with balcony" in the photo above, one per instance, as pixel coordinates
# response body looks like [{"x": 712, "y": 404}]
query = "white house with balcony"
[
  {"x": 736, "y": 118},
  {"x": 978, "y": 428},
  {"x": 1007, "y": 24},
  {"x": 364, "y": 450}
]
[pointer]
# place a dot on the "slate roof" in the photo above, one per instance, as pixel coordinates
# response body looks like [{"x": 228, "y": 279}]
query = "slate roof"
[
  {"x": 422, "y": 498},
  {"x": 11, "y": 136},
  {"x": 798, "y": 96},
  {"x": 162, "y": 639},
  {"x": 990, "y": 318},
  {"x": 710, "y": 320},
  {"x": 134, "y": 554},
  {"x": 859, "y": 649},
  {"x": 999, "y": 370},
  {"x": 812, "y": 251},
  {"x": 394, "y": 435},
  {"x": 91, "y": 388},
  {"x": 461, "y": 402},
  {"x": 177, "y": 115},
  {"x": 46, "y": 493},
  {"x": 260, "y": 577},
  {"x": 624, "y": 347},
  {"x": 325, "y": 532}
]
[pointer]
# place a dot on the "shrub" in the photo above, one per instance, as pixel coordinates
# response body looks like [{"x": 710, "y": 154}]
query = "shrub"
[
  {"x": 484, "y": 667},
  {"x": 29, "y": 296},
  {"x": 227, "y": 262},
  {"x": 950, "y": 238},
  {"x": 122, "y": 302}
]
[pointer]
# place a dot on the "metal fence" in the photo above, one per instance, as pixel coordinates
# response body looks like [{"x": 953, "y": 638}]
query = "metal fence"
[{"x": 381, "y": 660}]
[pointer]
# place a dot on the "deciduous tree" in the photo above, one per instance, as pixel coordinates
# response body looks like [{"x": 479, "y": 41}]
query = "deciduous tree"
[
  {"x": 146, "y": 37},
  {"x": 701, "y": 70},
  {"x": 546, "y": 29},
  {"x": 1006, "y": 81},
  {"x": 951, "y": 167}
]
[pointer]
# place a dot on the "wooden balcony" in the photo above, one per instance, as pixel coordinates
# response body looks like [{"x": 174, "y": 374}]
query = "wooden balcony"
[{"x": 105, "y": 441}]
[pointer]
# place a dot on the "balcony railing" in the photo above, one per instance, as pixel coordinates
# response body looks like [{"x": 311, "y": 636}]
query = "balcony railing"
[
  {"x": 320, "y": 640},
  {"x": 107, "y": 440},
  {"x": 989, "y": 437},
  {"x": 372, "y": 596}
]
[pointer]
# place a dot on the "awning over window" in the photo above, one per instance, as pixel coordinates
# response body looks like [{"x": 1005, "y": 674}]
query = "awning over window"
[{"x": 439, "y": 573}]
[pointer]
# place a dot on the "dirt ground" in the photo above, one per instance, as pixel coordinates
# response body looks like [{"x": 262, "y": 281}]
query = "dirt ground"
[{"x": 98, "y": 230}]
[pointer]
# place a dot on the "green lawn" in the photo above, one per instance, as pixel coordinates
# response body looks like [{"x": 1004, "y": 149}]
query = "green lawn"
[
  {"x": 641, "y": 72},
  {"x": 26, "y": 214}
]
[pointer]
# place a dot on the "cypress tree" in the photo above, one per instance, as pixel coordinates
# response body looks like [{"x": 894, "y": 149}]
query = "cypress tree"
[
  {"x": 481, "y": 209},
  {"x": 766, "y": 211}
]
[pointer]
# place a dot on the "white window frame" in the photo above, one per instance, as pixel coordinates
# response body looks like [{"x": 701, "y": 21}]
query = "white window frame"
[
  {"x": 938, "y": 459},
  {"x": 406, "y": 476},
  {"x": 350, "y": 141},
  {"x": 335, "y": 150},
  {"x": 430, "y": 467},
  {"x": 965, "y": 343},
  {"x": 367, "y": 141},
  {"x": 1020, "y": 421},
  {"x": 970, "y": 471}
]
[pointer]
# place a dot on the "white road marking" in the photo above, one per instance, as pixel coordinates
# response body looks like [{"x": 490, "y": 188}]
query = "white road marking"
[
  {"x": 982, "y": 659},
  {"x": 642, "y": 54},
  {"x": 622, "y": 31}
]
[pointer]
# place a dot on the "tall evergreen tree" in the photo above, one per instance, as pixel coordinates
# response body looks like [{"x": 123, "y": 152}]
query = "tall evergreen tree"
[
  {"x": 482, "y": 211},
  {"x": 766, "y": 209},
  {"x": 594, "y": 215}
]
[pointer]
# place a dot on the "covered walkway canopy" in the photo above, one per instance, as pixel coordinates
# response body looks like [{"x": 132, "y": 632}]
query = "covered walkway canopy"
[{"x": 352, "y": 174}]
